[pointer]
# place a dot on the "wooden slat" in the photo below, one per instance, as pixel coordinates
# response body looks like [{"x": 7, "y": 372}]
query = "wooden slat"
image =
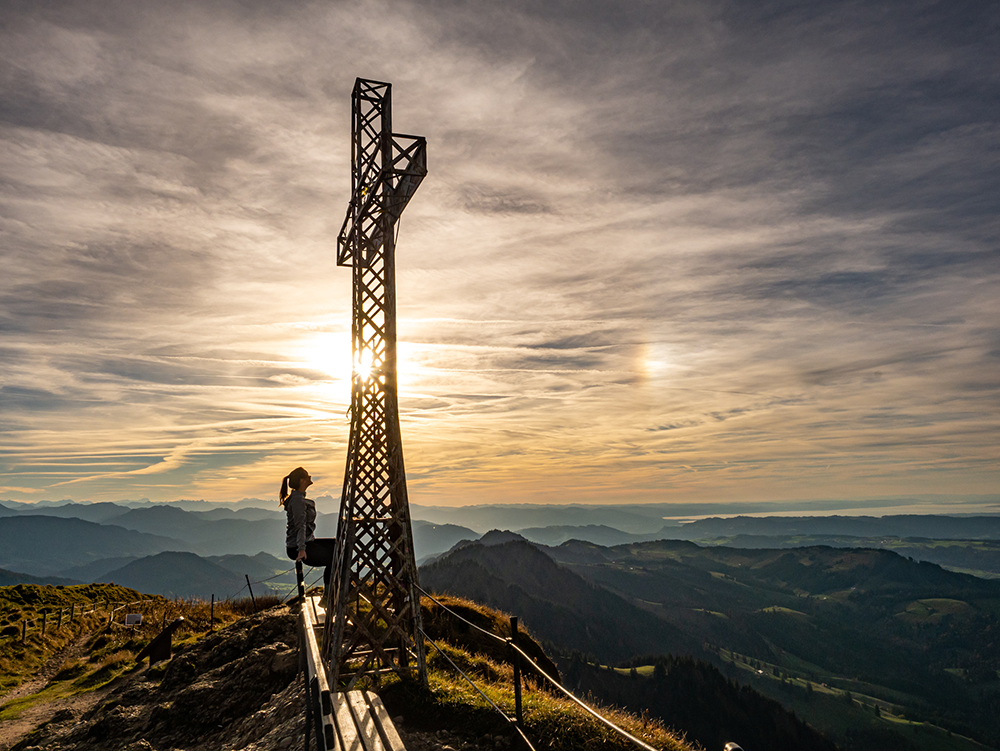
[
  {"x": 318, "y": 612},
  {"x": 350, "y": 741},
  {"x": 364, "y": 721},
  {"x": 389, "y": 735}
]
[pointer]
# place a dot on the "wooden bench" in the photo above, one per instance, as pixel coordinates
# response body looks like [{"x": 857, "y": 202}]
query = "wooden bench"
[{"x": 351, "y": 721}]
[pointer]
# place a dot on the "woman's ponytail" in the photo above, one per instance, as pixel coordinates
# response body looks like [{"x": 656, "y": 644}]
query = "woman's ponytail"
[{"x": 295, "y": 478}]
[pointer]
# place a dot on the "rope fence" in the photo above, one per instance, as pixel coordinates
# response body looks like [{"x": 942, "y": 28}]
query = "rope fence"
[
  {"x": 519, "y": 654},
  {"x": 511, "y": 721}
]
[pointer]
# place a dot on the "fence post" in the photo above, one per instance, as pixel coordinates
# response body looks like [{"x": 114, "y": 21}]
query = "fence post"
[
  {"x": 24, "y": 629},
  {"x": 72, "y": 612},
  {"x": 516, "y": 663},
  {"x": 44, "y": 614},
  {"x": 251, "y": 593},
  {"x": 59, "y": 624},
  {"x": 211, "y": 619}
]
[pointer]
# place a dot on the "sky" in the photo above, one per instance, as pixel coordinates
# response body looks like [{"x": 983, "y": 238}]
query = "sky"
[{"x": 672, "y": 252}]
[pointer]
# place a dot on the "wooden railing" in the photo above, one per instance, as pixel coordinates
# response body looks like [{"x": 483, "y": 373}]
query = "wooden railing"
[{"x": 349, "y": 721}]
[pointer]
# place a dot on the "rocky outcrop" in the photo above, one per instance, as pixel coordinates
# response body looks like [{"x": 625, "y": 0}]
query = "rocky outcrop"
[
  {"x": 236, "y": 690},
  {"x": 232, "y": 690}
]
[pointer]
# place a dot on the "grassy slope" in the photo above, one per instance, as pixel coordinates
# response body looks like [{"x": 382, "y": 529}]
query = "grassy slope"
[
  {"x": 867, "y": 621},
  {"x": 27, "y": 602},
  {"x": 551, "y": 721},
  {"x": 111, "y": 648}
]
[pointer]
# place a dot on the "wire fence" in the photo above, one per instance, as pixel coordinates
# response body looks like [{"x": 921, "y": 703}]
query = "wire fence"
[
  {"x": 518, "y": 655},
  {"x": 55, "y": 617}
]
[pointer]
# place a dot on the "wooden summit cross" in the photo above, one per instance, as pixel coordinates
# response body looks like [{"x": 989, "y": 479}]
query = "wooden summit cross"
[{"x": 372, "y": 600}]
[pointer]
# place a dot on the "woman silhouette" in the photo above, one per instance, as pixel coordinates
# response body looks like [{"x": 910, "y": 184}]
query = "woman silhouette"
[{"x": 300, "y": 543}]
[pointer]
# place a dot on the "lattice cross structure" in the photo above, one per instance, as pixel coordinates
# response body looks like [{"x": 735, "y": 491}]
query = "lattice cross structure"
[{"x": 374, "y": 624}]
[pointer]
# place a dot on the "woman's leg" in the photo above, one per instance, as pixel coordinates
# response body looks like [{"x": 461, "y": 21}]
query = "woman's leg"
[{"x": 319, "y": 552}]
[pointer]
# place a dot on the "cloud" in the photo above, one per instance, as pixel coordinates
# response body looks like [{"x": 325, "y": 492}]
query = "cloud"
[{"x": 664, "y": 251}]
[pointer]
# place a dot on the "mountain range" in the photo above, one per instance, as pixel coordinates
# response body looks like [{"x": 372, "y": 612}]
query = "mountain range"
[
  {"x": 53, "y": 539},
  {"x": 869, "y": 625}
]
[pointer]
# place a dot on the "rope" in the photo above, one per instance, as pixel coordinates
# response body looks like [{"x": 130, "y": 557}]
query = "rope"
[
  {"x": 275, "y": 576},
  {"x": 470, "y": 682},
  {"x": 293, "y": 593},
  {"x": 571, "y": 697},
  {"x": 465, "y": 620},
  {"x": 549, "y": 678},
  {"x": 295, "y": 587},
  {"x": 233, "y": 595}
]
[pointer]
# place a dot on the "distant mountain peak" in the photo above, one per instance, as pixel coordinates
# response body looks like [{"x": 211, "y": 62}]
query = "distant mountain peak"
[{"x": 500, "y": 536}]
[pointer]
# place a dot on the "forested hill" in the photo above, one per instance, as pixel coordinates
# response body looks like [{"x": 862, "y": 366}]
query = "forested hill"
[
  {"x": 696, "y": 697},
  {"x": 920, "y": 642},
  {"x": 555, "y": 603}
]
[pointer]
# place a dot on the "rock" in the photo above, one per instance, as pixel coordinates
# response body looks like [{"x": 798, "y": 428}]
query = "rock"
[
  {"x": 63, "y": 715},
  {"x": 285, "y": 662}
]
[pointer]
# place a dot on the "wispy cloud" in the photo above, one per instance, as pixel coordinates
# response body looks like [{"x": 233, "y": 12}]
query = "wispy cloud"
[{"x": 678, "y": 251}]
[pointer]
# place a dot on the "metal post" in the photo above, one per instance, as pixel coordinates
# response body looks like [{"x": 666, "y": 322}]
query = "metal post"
[
  {"x": 516, "y": 662},
  {"x": 251, "y": 593},
  {"x": 305, "y": 679},
  {"x": 314, "y": 700}
]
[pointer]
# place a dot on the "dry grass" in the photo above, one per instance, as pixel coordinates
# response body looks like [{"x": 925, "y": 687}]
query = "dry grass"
[
  {"x": 112, "y": 646},
  {"x": 551, "y": 720}
]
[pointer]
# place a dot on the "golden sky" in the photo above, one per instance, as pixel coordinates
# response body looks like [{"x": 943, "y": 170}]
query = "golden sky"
[{"x": 696, "y": 251}]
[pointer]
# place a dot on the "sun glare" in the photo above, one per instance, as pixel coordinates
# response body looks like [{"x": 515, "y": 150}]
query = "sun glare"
[
  {"x": 363, "y": 365},
  {"x": 331, "y": 354}
]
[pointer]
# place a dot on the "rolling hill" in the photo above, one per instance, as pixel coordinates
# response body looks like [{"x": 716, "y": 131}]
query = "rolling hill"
[
  {"x": 46, "y": 545},
  {"x": 431, "y": 539},
  {"x": 912, "y": 636},
  {"x": 553, "y": 602},
  {"x": 175, "y": 574},
  {"x": 11, "y": 578},
  {"x": 91, "y": 512}
]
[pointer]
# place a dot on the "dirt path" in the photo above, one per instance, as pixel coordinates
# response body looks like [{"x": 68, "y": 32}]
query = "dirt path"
[
  {"x": 12, "y": 730},
  {"x": 49, "y": 669}
]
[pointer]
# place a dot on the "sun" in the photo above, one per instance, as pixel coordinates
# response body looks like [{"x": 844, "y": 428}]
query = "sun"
[
  {"x": 330, "y": 354},
  {"x": 363, "y": 365}
]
